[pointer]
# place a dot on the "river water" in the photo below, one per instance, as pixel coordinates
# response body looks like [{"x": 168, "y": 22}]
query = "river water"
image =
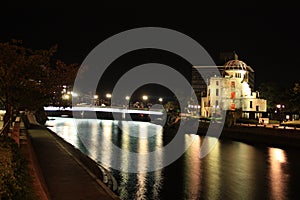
[{"x": 232, "y": 170}]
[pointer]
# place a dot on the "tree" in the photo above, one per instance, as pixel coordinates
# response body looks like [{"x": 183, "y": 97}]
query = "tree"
[
  {"x": 294, "y": 98},
  {"x": 61, "y": 75},
  {"x": 273, "y": 93},
  {"x": 28, "y": 78}
]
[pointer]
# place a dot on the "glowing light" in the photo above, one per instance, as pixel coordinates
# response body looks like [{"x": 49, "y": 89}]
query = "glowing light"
[
  {"x": 127, "y": 98},
  {"x": 160, "y": 99},
  {"x": 108, "y": 95},
  {"x": 96, "y": 96},
  {"x": 145, "y": 97},
  {"x": 66, "y": 97}
]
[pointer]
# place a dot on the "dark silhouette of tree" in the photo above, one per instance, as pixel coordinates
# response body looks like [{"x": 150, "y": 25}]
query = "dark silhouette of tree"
[
  {"x": 273, "y": 92},
  {"x": 29, "y": 78},
  {"x": 294, "y": 98}
]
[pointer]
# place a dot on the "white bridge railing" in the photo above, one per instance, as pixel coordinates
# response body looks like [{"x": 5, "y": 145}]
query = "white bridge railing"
[{"x": 106, "y": 109}]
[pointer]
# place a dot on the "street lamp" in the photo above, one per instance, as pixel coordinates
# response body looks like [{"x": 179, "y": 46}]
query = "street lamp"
[
  {"x": 145, "y": 97},
  {"x": 108, "y": 96},
  {"x": 96, "y": 97},
  {"x": 66, "y": 96},
  {"x": 127, "y": 99},
  {"x": 160, "y": 100}
]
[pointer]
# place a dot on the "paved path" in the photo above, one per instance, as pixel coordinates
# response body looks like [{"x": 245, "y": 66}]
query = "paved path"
[{"x": 65, "y": 176}]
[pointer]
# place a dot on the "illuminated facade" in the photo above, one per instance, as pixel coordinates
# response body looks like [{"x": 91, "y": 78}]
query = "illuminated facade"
[{"x": 231, "y": 89}]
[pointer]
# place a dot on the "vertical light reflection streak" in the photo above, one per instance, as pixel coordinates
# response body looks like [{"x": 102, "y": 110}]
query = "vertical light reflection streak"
[
  {"x": 94, "y": 143},
  {"x": 277, "y": 158},
  {"x": 158, "y": 173},
  {"x": 67, "y": 130},
  {"x": 106, "y": 148},
  {"x": 243, "y": 163},
  {"x": 142, "y": 161},
  {"x": 125, "y": 145},
  {"x": 192, "y": 161},
  {"x": 213, "y": 163}
]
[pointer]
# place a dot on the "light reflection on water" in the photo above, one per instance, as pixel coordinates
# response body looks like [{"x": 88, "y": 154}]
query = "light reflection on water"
[
  {"x": 232, "y": 170},
  {"x": 279, "y": 180}
]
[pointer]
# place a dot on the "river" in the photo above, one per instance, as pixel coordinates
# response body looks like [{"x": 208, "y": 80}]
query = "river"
[{"x": 232, "y": 170}]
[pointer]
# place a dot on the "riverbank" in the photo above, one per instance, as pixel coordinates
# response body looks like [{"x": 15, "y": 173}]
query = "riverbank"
[
  {"x": 273, "y": 136},
  {"x": 282, "y": 138}
]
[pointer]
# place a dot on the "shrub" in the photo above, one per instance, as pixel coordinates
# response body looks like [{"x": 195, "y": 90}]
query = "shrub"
[{"x": 15, "y": 181}]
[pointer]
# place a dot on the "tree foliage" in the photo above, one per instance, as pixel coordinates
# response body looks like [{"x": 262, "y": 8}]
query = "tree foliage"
[
  {"x": 29, "y": 78},
  {"x": 294, "y": 98},
  {"x": 275, "y": 94}
]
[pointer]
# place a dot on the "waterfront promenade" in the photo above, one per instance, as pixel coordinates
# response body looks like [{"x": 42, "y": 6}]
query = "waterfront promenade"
[
  {"x": 60, "y": 171},
  {"x": 66, "y": 177}
]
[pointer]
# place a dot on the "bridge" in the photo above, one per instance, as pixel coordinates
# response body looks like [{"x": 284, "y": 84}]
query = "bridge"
[{"x": 105, "y": 112}]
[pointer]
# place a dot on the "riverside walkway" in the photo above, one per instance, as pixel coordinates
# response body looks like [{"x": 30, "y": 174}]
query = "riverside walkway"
[{"x": 64, "y": 175}]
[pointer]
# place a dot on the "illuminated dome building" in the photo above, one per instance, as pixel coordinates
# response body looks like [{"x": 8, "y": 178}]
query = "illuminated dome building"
[{"x": 232, "y": 91}]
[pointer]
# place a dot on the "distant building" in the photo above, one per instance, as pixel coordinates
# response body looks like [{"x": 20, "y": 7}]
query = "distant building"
[
  {"x": 230, "y": 89},
  {"x": 199, "y": 80}
]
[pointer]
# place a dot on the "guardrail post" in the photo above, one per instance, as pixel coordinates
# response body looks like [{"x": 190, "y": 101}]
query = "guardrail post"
[{"x": 15, "y": 135}]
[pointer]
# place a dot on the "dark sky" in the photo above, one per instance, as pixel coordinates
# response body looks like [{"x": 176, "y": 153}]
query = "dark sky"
[{"x": 266, "y": 37}]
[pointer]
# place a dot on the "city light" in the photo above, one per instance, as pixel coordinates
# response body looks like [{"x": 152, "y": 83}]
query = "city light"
[
  {"x": 145, "y": 97},
  {"x": 108, "y": 95},
  {"x": 66, "y": 97}
]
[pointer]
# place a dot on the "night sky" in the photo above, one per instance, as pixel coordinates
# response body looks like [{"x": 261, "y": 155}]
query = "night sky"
[{"x": 266, "y": 37}]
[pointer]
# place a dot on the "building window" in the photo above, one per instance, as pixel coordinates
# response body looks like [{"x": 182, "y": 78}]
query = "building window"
[
  {"x": 245, "y": 115},
  {"x": 217, "y": 103},
  {"x": 232, "y": 95},
  {"x": 208, "y": 92},
  {"x": 238, "y": 75},
  {"x": 232, "y": 84},
  {"x": 217, "y": 82},
  {"x": 232, "y": 106},
  {"x": 217, "y": 92},
  {"x": 251, "y": 104}
]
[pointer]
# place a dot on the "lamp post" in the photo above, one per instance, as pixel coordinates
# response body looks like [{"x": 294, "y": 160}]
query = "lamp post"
[
  {"x": 160, "y": 100},
  {"x": 96, "y": 97},
  {"x": 145, "y": 98},
  {"x": 108, "y": 96},
  {"x": 280, "y": 108},
  {"x": 127, "y": 101}
]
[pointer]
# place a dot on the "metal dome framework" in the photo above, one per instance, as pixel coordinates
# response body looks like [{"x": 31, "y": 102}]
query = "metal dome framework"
[{"x": 236, "y": 65}]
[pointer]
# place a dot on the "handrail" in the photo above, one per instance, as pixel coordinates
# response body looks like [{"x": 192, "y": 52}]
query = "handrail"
[{"x": 3, "y": 128}]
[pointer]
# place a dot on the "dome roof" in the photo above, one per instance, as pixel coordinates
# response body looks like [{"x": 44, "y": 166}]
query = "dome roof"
[{"x": 235, "y": 65}]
